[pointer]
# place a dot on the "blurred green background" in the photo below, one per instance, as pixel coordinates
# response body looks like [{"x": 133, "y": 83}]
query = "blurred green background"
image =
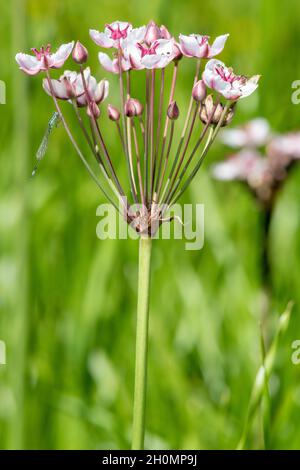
[{"x": 68, "y": 300}]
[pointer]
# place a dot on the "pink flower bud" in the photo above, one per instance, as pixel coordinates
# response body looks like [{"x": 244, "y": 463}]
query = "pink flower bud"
[
  {"x": 113, "y": 113},
  {"x": 173, "y": 111},
  {"x": 80, "y": 53},
  {"x": 199, "y": 91},
  {"x": 133, "y": 107},
  {"x": 218, "y": 113},
  {"x": 152, "y": 33},
  {"x": 210, "y": 113},
  {"x": 93, "y": 110}
]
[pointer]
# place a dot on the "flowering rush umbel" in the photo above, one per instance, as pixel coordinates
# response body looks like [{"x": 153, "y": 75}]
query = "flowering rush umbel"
[
  {"x": 160, "y": 166},
  {"x": 163, "y": 143}
]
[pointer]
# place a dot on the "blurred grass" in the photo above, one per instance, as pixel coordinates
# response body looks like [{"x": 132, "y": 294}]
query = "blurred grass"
[{"x": 67, "y": 300}]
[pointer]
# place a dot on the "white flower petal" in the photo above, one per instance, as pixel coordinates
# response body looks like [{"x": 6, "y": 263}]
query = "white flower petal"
[
  {"x": 250, "y": 86},
  {"x": 101, "y": 91},
  {"x": 133, "y": 56},
  {"x": 101, "y": 39},
  {"x": 137, "y": 34},
  {"x": 189, "y": 45},
  {"x": 218, "y": 45},
  {"x": 107, "y": 63},
  {"x": 58, "y": 59},
  {"x": 58, "y": 88},
  {"x": 28, "y": 63},
  {"x": 165, "y": 46},
  {"x": 151, "y": 61}
]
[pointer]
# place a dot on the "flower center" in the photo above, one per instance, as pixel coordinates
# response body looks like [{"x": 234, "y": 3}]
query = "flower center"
[
  {"x": 203, "y": 41},
  {"x": 228, "y": 76},
  {"x": 117, "y": 33},
  {"x": 42, "y": 52},
  {"x": 151, "y": 50}
]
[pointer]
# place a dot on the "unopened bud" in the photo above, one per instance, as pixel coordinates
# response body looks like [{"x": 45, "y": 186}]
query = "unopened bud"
[
  {"x": 218, "y": 114},
  {"x": 80, "y": 53},
  {"x": 152, "y": 33},
  {"x": 113, "y": 113},
  {"x": 93, "y": 110},
  {"x": 210, "y": 113},
  {"x": 229, "y": 116},
  {"x": 173, "y": 111},
  {"x": 199, "y": 91},
  {"x": 133, "y": 107},
  {"x": 207, "y": 110}
]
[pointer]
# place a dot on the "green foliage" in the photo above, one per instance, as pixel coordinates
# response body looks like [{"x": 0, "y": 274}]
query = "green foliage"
[{"x": 68, "y": 300}]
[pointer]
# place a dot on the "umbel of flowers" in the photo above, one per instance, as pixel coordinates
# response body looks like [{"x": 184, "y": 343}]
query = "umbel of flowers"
[
  {"x": 162, "y": 146},
  {"x": 160, "y": 166}
]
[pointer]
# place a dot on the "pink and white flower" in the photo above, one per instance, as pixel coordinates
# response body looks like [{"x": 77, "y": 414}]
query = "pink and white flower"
[
  {"x": 70, "y": 85},
  {"x": 156, "y": 55},
  {"x": 115, "y": 33},
  {"x": 286, "y": 145},
  {"x": 198, "y": 46},
  {"x": 112, "y": 65},
  {"x": 222, "y": 79},
  {"x": 255, "y": 133},
  {"x": 43, "y": 59}
]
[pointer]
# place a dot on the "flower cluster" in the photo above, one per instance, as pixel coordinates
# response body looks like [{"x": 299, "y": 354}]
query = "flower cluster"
[
  {"x": 146, "y": 130},
  {"x": 263, "y": 161}
]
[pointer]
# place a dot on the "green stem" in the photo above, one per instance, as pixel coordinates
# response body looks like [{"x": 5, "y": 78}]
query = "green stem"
[
  {"x": 139, "y": 405},
  {"x": 20, "y": 321}
]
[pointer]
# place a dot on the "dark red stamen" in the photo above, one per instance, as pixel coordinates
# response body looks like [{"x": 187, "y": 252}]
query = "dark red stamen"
[
  {"x": 42, "y": 52},
  {"x": 117, "y": 33},
  {"x": 148, "y": 50}
]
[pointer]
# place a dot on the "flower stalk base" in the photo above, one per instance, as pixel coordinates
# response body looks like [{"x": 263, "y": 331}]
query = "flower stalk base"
[{"x": 140, "y": 386}]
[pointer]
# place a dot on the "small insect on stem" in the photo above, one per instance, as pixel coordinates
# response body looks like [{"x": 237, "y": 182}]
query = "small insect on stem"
[{"x": 41, "y": 152}]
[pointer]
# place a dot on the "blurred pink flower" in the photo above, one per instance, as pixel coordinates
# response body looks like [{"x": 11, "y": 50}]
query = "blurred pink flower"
[
  {"x": 238, "y": 166},
  {"x": 198, "y": 46},
  {"x": 222, "y": 79},
  {"x": 264, "y": 174},
  {"x": 285, "y": 145},
  {"x": 255, "y": 133},
  {"x": 70, "y": 85},
  {"x": 115, "y": 32},
  {"x": 43, "y": 59},
  {"x": 251, "y": 167}
]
